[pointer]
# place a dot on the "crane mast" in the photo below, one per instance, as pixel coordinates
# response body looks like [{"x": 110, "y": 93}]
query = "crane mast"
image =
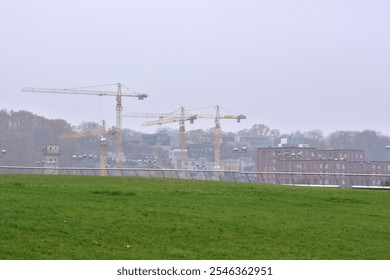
[
  {"x": 119, "y": 139},
  {"x": 118, "y": 94},
  {"x": 103, "y": 156},
  {"x": 182, "y": 137},
  {"x": 217, "y": 140}
]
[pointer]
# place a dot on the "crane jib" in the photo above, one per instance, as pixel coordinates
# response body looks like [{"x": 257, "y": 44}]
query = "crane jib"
[{"x": 84, "y": 92}]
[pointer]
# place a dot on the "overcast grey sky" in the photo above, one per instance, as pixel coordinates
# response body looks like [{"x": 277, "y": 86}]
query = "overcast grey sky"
[{"x": 292, "y": 65}]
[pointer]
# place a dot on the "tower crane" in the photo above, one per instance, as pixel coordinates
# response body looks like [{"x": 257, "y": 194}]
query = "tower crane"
[
  {"x": 164, "y": 118},
  {"x": 118, "y": 94},
  {"x": 103, "y": 144},
  {"x": 182, "y": 117},
  {"x": 217, "y": 134}
]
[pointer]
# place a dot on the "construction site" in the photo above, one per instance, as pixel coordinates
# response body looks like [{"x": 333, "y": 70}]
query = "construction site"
[{"x": 108, "y": 143}]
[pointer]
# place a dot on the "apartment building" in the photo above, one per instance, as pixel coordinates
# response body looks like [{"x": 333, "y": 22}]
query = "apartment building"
[{"x": 303, "y": 165}]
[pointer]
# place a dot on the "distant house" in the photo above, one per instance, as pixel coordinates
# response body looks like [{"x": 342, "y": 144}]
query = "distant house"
[
  {"x": 51, "y": 153},
  {"x": 156, "y": 139},
  {"x": 255, "y": 141}
]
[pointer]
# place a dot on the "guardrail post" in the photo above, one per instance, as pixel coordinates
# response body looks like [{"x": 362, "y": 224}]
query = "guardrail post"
[
  {"x": 234, "y": 176},
  {"x": 277, "y": 178},
  {"x": 247, "y": 177},
  {"x": 205, "y": 176},
  {"x": 337, "y": 181},
  {"x": 307, "y": 181}
]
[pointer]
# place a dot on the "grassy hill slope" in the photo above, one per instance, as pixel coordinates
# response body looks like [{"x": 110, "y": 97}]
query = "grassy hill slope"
[{"x": 81, "y": 217}]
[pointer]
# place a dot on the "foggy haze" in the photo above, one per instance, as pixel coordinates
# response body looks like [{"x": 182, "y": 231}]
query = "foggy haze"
[{"x": 292, "y": 65}]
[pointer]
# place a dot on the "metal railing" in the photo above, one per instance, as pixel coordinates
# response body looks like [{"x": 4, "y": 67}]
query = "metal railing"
[{"x": 348, "y": 180}]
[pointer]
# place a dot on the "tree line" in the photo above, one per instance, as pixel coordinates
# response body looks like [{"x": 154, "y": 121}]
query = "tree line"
[{"x": 23, "y": 135}]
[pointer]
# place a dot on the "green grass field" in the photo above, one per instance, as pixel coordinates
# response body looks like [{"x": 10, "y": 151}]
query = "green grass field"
[{"x": 81, "y": 217}]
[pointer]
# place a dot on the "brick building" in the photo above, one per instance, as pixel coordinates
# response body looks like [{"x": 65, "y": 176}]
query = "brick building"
[{"x": 319, "y": 167}]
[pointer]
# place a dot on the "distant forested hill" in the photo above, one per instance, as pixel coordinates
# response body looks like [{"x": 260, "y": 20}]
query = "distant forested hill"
[{"x": 23, "y": 135}]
